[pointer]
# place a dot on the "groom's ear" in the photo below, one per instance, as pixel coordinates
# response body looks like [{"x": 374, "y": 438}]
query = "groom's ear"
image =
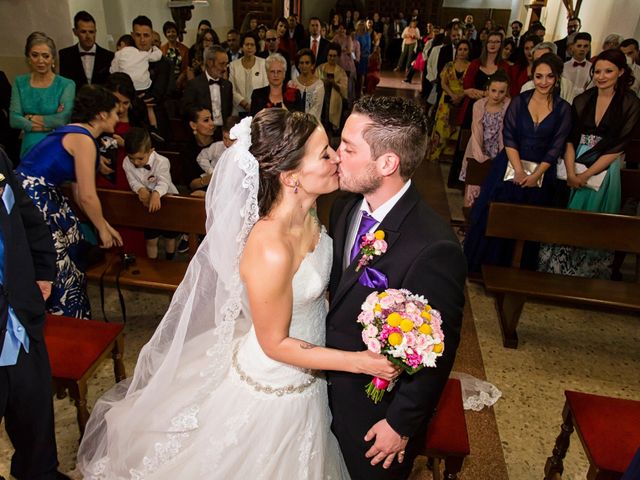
[{"x": 388, "y": 164}]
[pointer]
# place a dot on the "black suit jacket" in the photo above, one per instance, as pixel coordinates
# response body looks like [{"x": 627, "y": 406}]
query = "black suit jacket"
[
  {"x": 198, "y": 93},
  {"x": 29, "y": 255},
  {"x": 71, "y": 65},
  {"x": 323, "y": 47},
  {"x": 424, "y": 257},
  {"x": 446, "y": 55},
  {"x": 260, "y": 100},
  {"x": 562, "y": 48}
]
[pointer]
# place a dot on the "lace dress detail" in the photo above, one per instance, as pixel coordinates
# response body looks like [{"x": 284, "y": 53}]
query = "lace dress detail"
[{"x": 265, "y": 419}]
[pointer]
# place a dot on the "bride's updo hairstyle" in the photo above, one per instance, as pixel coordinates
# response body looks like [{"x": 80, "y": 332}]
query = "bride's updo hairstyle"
[{"x": 278, "y": 139}]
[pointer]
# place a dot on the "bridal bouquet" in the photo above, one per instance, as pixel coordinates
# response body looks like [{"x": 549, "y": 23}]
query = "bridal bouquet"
[{"x": 403, "y": 327}]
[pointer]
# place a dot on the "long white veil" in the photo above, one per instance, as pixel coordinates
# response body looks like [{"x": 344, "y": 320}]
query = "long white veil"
[{"x": 208, "y": 308}]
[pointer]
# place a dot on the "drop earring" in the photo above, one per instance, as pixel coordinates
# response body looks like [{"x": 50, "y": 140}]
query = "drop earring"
[{"x": 295, "y": 187}]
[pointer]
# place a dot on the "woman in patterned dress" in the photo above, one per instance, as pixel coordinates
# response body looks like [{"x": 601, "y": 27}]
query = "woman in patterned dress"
[
  {"x": 445, "y": 133},
  {"x": 70, "y": 154}
]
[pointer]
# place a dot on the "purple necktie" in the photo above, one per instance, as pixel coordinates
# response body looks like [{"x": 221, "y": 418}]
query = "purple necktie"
[{"x": 366, "y": 222}]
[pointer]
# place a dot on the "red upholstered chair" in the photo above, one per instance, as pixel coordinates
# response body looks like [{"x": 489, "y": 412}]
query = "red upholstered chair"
[
  {"x": 76, "y": 349},
  {"x": 609, "y": 429},
  {"x": 447, "y": 436}
]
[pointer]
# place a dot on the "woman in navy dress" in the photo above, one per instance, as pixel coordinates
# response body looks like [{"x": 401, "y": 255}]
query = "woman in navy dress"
[
  {"x": 536, "y": 127},
  {"x": 70, "y": 154}
]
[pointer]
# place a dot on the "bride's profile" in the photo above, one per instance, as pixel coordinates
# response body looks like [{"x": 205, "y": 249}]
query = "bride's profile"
[{"x": 229, "y": 386}]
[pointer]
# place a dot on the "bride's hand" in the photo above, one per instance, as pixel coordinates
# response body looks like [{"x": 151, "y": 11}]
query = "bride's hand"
[{"x": 376, "y": 365}]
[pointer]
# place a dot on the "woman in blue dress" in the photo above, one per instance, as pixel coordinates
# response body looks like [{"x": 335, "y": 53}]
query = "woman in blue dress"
[
  {"x": 536, "y": 127},
  {"x": 605, "y": 118},
  {"x": 70, "y": 154}
]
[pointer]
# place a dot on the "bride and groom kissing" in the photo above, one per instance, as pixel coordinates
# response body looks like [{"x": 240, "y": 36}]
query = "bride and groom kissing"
[{"x": 249, "y": 374}]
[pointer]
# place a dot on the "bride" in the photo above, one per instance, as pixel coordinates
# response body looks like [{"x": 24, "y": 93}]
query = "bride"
[{"x": 228, "y": 386}]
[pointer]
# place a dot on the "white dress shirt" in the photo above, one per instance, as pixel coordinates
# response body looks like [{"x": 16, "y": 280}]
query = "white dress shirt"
[
  {"x": 216, "y": 100},
  {"x": 379, "y": 215},
  {"x": 580, "y": 75},
  {"x": 156, "y": 179},
  {"x": 135, "y": 63},
  {"x": 88, "y": 61}
]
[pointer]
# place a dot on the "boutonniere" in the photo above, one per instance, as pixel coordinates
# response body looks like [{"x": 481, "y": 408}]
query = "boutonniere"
[{"x": 372, "y": 245}]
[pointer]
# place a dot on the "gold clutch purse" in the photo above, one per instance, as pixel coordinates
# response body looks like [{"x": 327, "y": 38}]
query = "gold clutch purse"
[{"x": 528, "y": 167}]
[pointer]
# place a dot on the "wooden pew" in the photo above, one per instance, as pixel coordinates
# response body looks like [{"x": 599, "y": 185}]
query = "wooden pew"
[
  {"x": 177, "y": 214},
  {"x": 512, "y": 286}
]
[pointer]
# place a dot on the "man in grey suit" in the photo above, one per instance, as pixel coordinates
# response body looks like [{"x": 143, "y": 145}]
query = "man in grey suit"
[{"x": 210, "y": 89}]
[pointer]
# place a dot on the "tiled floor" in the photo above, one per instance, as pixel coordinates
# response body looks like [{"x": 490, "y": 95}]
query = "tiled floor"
[{"x": 560, "y": 348}]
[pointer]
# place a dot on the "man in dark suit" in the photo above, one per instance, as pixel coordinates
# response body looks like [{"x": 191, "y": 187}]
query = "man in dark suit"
[
  {"x": 27, "y": 269},
  {"x": 383, "y": 142},
  {"x": 314, "y": 41},
  {"x": 573, "y": 26},
  {"x": 210, "y": 89},
  {"x": 86, "y": 61},
  {"x": 516, "y": 30}
]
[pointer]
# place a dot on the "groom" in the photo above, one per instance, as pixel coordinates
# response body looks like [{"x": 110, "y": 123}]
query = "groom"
[{"x": 383, "y": 142}]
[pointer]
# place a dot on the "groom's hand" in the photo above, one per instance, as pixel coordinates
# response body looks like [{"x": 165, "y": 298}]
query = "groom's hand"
[{"x": 388, "y": 444}]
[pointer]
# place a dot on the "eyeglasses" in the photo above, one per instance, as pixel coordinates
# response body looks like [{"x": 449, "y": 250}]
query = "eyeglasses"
[{"x": 494, "y": 41}]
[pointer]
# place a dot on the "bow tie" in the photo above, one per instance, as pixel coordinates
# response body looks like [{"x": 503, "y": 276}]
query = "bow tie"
[
  {"x": 579, "y": 64},
  {"x": 214, "y": 82},
  {"x": 91, "y": 54},
  {"x": 147, "y": 167}
]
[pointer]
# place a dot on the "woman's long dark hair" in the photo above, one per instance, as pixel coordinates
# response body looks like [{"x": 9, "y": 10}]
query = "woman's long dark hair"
[
  {"x": 121, "y": 83},
  {"x": 90, "y": 101},
  {"x": 278, "y": 141},
  {"x": 619, "y": 59}
]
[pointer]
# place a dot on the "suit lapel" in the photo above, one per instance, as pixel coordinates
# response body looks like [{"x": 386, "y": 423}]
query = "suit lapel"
[{"x": 391, "y": 226}]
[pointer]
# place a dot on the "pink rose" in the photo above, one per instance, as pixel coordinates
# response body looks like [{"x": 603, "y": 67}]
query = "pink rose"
[
  {"x": 380, "y": 246},
  {"x": 410, "y": 337},
  {"x": 365, "y": 317},
  {"x": 411, "y": 309},
  {"x": 422, "y": 342},
  {"x": 387, "y": 302},
  {"x": 373, "y": 345},
  {"x": 371, "y": 331}
]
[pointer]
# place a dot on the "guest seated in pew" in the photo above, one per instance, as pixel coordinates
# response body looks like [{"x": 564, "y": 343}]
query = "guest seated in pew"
[
  {"x": 277, "y": 94},
  {"x": 604, "y": 120},
  {"x": 535, "y": 130},
  {"x": 70, "y": 154},
  {"x": 486, "y": 129},
  {"x": 201, "y": 123},
  {"x": 208, "y": 158},
  {"x": 149, "y": 176},
  {"x": 131, "y": 113}
]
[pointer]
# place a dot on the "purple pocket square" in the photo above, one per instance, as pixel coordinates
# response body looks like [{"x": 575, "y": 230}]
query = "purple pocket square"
[{"x": 373, "y": 278}]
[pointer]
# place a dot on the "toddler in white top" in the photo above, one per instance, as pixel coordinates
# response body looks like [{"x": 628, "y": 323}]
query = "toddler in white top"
[
  {"x": 149, "y": 175},
  {"x": 134, "y": 62},
  {"x": 208, "y": 158}
]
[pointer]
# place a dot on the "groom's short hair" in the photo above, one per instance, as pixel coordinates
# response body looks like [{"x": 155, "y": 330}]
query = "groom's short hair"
[{"x": 397, "y": 125}]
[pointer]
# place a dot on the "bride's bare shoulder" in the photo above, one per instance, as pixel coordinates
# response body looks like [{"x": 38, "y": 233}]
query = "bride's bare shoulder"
[{"x": 267, "y": 251}]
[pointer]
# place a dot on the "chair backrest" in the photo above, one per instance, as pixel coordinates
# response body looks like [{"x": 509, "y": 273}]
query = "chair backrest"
[
  {"x": 564, "y": 227},
  {"x": 178, "y": 213}
]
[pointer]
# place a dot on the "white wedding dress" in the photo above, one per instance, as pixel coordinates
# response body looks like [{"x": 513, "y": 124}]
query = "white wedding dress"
[
  {"x": 205, "y": 402},
  {"x": 265, "y": 420}
]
